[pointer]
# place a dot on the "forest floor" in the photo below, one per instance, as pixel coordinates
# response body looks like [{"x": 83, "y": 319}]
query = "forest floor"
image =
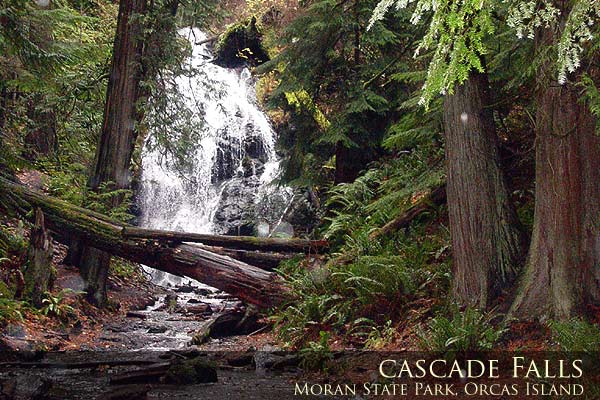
[{"x": 137, "y": 318}]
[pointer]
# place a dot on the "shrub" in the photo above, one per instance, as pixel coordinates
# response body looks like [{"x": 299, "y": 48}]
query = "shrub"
[
  {"x": 576, "y": 335},
  {"x": 464, "y": 331}
]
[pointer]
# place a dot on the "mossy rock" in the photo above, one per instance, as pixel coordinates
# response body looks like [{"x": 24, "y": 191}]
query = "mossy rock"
[
  {"x": 241, "y": 45},
  {"x": 191, "y": 372}
]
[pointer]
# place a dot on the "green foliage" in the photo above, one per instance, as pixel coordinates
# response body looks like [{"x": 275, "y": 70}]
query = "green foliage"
[
  {"x": 340, "y": 295},
  {"x": 10, "y": 310},
  {"x": 125, "y": 269},
  {"x": 592, "y": 97},
  {"x": 104, "y": 199},
  {"x": 366, "y": 281},
  {"x": 55, "y": 59},
  {"x": 458, "y": 331},
  {"x": 382, "y": 193},
  {"x": 576, "y": 335},
  {"x": 325, "y": 51},
  {"x": 377, "y": 338},
  {"x": 12, "y": 240},
  {"x": 456, "y": 34},
  {"x": 54, "y": 305},
  {"x": 317, "y": 355}
]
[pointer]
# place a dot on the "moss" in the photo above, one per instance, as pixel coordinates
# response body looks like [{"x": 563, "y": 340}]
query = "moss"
[
  {"x": 241, "y": 45},
  {"x": 190, "y": 372}
]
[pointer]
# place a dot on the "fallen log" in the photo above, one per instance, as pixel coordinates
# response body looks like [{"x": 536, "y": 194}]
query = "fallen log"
[
  {"x": 249, "y": 283},
  {"x": 264, "y": 260},
  {"x": 235, "y": 242},
  {"x": 150, "y": 374},
  {"x": 208, "y": 40},
  {"x": 436, "y": 198}
]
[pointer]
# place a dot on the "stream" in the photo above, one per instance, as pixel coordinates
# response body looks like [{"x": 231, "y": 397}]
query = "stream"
[{"x": 221, "y": 178}]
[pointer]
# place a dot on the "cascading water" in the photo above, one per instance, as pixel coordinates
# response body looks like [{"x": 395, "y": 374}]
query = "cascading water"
[{"x": 225, "y": 183}]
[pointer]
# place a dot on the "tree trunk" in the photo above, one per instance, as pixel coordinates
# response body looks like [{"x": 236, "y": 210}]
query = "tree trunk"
[
  {"x": 41, "y": 138},
  {"x": 563, "y": 268},
  {"x": 39, "y": 274},
  {"x": 249, "y": 283},
  {"x": 117, "y": 139},
  {"x": 487, "y": 243}
]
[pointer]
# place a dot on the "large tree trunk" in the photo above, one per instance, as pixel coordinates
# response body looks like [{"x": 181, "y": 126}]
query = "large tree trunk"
[
  {"x": 117, "y": 139},
  {"x": 563, "y": 267},
  {"x": 249, "y": 283},
  {"x": 487, "y": 243}
]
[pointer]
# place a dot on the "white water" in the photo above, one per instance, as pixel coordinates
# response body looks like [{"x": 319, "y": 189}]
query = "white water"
[{"x": 220, "y": 106}]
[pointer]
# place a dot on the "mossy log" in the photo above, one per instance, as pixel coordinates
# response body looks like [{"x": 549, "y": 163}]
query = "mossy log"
[
  {"x": 230, "y": 242},
  {"x": 435, "y": 198},
  {"x": 249, "y": 283}
]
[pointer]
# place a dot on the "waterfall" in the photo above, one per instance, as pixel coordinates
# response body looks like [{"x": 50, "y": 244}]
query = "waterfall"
[{"x": 224, "y": 182}]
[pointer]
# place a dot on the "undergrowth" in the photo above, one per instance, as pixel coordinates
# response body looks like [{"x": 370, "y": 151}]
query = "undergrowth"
[
  {"x": 576, "y": 335},
  {"x": 459, "y": 331},
  {"x": 370, "y": 282}
]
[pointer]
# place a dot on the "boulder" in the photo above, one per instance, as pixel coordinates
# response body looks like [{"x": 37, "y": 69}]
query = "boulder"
[{"x": 241, "y": 45}]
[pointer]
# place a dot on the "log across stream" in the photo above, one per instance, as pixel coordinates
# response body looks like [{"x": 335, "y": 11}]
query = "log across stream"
[{"x": 168, "y": 252}]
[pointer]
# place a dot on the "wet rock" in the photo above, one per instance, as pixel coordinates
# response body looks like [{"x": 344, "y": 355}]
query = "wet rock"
[
  {"x": 9, "y": 344},
  {"x": 235, "y": 214},
  {"x": 136, "y": 314},
  {"x": 134, "y": 392},
  {"x": 226, "y": 163},
  {"x": 158, "y": 329},
  {"x": 199, "y": 309},
  {"x": 191, "y": 372},
  {"x": 303, "y": 211},
  {"x": 30, "y": 387},
  {"x": 255, "y": 149},
  {"x": 202, "y": 292},
  {"x": 117, "y": 327},
  {"x": 143, "y": 302},
  {"x": 233, "y": 322},
  {"x": 270, "y": 358},
  {"x": 241, "y": 45},
  {"x": 184, "y": 289},
  {"x": 239, "y": 360}
]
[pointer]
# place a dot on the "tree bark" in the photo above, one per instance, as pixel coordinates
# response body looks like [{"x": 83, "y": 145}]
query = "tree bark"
[
  {"x": 251, "y": 284},
  {"x": 487, "y": 243},
  {"x": 562, "y": 273},
  {"x": 39, "y": 274},
  {"x": 117, "y": 139},
  {"x": 263, "y": 260},
  {"x": 235, "y": 242}
]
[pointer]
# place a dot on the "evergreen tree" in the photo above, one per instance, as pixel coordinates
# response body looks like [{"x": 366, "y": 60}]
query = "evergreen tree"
[
  {"x": 327, "y": 51},
  {"x": 562, "y": 274},
  {"x": 487, "y": 243}
]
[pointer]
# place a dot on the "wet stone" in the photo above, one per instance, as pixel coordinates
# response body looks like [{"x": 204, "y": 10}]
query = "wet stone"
[{"x": 158, "y": 329}]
